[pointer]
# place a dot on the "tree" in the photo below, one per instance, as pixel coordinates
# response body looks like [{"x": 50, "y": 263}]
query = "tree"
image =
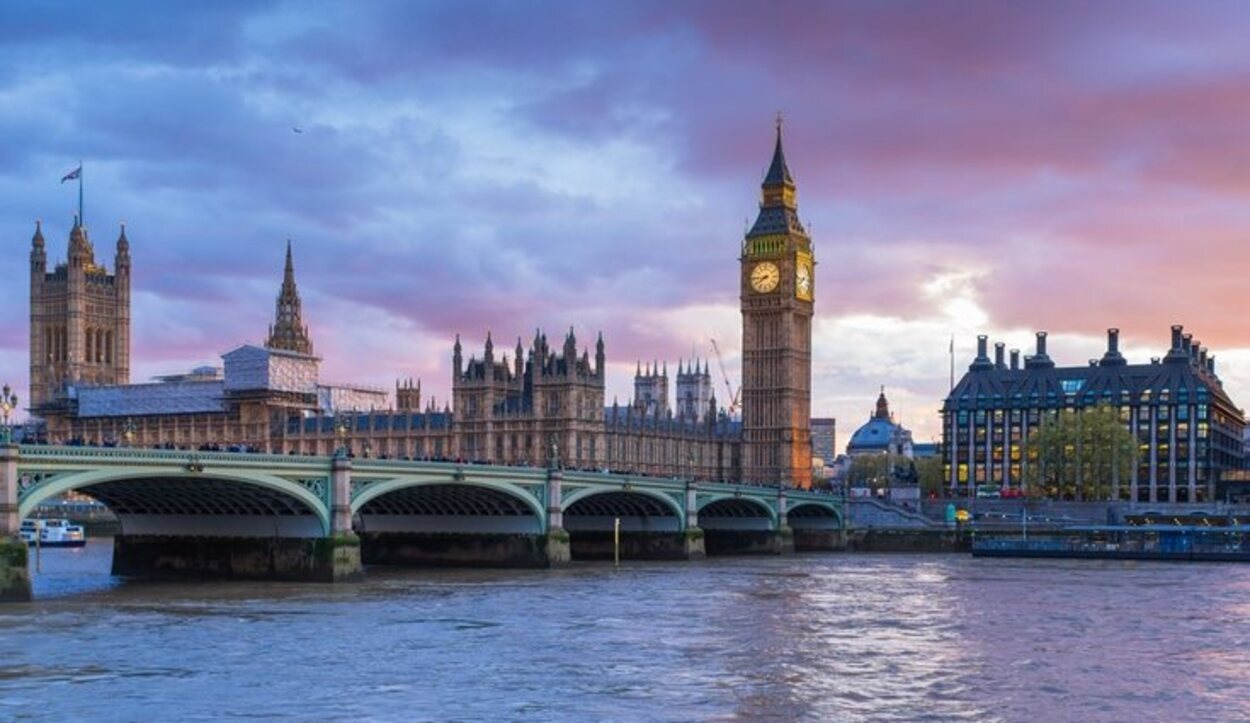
[
  {"x": 1080, "y": 454},
  {"x": 932, "y": 473},
  {"x": 870, "y": 470}
]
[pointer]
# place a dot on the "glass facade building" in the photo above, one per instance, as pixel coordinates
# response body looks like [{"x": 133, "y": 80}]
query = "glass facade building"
[{"x": 1188, "y": 430}]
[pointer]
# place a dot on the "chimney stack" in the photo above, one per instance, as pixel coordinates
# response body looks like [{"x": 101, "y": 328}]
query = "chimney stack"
[
  {"x": 1039, "y": 360},
  {"x": 1202, "y": 357},
  {"x": 998, "y": 355},
  {"x": 1187, "y": 344},
  {"x": 1015, "y": 359},
  {"x": 1113, "y": 357},
  {"x": 1211, "y": 363},
  {"x": 982, "y": 361},
  {"x": 1178, "y": 352}
]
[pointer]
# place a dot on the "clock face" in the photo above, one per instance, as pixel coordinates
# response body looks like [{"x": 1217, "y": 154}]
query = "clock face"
[
  {"x": 803, "y": 281},
  {"x": 765, "y": 277}
]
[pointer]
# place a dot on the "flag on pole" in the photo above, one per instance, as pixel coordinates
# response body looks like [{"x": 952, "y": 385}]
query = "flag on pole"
[{"x": 72, "y": 175}]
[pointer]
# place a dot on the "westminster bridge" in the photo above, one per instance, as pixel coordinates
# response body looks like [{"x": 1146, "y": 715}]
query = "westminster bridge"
[{"x": 321, "y": 518}]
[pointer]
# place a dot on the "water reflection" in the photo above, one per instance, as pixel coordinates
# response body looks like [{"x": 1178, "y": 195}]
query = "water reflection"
[{"x": 812, "y": 637}]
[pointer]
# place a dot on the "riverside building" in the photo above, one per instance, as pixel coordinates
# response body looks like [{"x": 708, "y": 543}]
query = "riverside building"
[{"x": 1187, "y": 428}]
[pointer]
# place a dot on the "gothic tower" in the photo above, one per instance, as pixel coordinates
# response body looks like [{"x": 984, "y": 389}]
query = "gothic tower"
[
  {"x": 777, "y": 296},
  {"x": 79, "y": 320},
  {"x": 694, "y": 391},
  {"x": 288, "y": 331}
]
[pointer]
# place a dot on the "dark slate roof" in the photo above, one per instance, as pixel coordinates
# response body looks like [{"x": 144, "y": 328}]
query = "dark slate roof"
[
  {"x": 778, "y": 171},
  {"x": 998, "y": 387},
  {"x": 776, "y": 220}
]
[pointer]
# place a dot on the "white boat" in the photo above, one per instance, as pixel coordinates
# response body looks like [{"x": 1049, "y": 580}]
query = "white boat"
[{"x": 53, "y": 533}]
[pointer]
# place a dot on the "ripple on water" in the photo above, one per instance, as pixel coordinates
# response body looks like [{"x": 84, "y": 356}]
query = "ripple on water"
[{"x": 851, "y": 637}]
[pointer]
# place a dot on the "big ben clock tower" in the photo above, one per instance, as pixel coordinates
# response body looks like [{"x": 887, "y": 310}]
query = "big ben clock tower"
[{"x": 778, "y": 292}]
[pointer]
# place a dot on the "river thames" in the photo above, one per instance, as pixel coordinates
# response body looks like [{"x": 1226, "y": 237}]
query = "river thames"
[{"x": 820, "y": 637}]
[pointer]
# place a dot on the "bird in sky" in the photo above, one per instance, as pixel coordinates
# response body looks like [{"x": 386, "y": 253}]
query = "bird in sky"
[{"x": 296, "y": 129}]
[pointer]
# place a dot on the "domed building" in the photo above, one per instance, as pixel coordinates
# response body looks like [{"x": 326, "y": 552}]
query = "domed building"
[{"x": 880, "y": 434}]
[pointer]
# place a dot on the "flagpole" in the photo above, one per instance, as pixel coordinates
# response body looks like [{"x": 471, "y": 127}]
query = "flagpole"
[
  {"x": 82, "y": 221},
  {"x": 952, "y": 352}
]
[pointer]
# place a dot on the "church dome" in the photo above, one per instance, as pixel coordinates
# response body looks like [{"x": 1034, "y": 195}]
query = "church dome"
[
  {"x": 873, "y": 436},
  {"x": 880, "y": 433}
]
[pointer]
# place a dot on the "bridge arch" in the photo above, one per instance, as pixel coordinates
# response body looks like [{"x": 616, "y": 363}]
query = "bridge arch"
[
  {"x": 448, "y": 504},
  {"x": 640, "y": 510},
  {"x": 736, "y": 512},
  {"x": 813, "y": 514},
  {"x": 168, "y": 501}
]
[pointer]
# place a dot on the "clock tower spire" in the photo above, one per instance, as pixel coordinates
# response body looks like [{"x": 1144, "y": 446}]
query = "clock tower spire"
[{"x": 777, "y": 300}]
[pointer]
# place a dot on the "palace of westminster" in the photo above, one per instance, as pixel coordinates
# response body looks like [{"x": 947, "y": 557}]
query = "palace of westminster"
[{"x": 519, "y": 409}]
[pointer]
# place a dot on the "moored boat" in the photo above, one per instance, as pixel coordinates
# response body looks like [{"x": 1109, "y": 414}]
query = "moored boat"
[
  {"x": 53, "y": 533},
  {"x": 1188, "y": 543}
]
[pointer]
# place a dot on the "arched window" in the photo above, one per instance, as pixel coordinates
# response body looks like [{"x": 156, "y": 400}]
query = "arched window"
[
  {"x": 89, "y": 343},
  {"x": 108, "y": 347}
]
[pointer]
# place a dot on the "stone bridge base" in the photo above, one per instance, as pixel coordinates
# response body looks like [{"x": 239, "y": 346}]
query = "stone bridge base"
[
  {"x": 599, "y": 545},
  {"x": 14, "y": 572},
  {"x": 750, "y": 542},
  {"x": 333, "y": 559},
  {"x": 432, "y": 549},
  {"x": 815, "y": 540}
]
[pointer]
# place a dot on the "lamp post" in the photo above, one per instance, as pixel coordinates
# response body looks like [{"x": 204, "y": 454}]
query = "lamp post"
[
  {"x": 8, "y": 402},
  {"x": 340, "y": 433},
  {"x": 553, "y": 461},
  {"x": 129, "y": 433}
]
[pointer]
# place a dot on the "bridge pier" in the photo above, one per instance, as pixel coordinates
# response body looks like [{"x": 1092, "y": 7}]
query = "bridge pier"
[
  {"x": 556, "y": 547},
  {"x": 14, "y": 555},
  {"x": 341, "y": 558},
  {"x": 695, "y": 543}
]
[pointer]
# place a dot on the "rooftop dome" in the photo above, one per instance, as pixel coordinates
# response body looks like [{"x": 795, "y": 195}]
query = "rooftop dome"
[{"x": 880, "y": 433}]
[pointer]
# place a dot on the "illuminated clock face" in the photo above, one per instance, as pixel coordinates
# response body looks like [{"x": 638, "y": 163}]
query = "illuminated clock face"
[
  {"x": 765, "y": 276},
  {"x": 803, "y": 281}
]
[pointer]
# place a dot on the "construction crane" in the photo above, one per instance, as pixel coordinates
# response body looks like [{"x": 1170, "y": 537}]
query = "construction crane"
[{"x": 734, "y": 401}]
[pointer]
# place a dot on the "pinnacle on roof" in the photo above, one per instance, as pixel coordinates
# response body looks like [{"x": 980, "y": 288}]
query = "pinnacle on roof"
[
  {"x": 37, "y": 239},
  {"x": 883, "y": 406},
  {"x": 778, "y": 173},
  {"x": 288, "y": 331}
]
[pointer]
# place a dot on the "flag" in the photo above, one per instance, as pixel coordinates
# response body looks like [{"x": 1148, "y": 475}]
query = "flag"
[{"x": 72, "y": 175}]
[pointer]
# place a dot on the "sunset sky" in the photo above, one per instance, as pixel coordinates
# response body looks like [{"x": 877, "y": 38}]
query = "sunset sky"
[{"x": 964, "y": 167}]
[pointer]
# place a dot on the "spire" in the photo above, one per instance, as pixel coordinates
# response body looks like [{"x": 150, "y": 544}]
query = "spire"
[
  {"x": 288, "y": 273},
  {"x": 778, "y": 172},
  {"x": 36, "y": 241},
  {"x": 123, "y": 243},
  {"x": 883, "y": 407},
  {"x": 779, "y": 206},
  {"x": 288, "y": 331}
]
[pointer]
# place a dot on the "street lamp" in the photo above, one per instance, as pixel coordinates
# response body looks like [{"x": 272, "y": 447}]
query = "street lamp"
[
  {"x": 554, "y": 460},
  {"x": 8, "y": 402},
  {"x": 340, "y": 433},
  {"x": 129, "y": 432}
]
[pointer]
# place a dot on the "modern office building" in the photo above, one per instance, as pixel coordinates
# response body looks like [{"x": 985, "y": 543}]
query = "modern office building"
[{"x": 1188, "y": 430}]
